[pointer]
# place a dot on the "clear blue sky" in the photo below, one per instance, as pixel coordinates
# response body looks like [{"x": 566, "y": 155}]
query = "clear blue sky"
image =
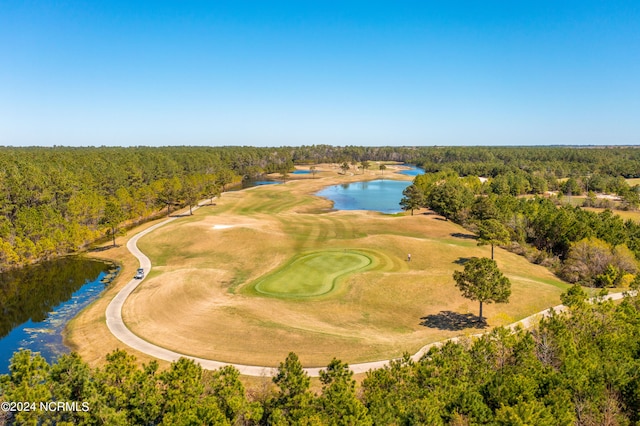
[{"x": 277, "y": 73}]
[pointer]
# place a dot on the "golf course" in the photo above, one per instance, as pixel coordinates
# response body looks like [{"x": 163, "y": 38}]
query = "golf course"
[
  {"x": 274, "y": 269},
  {"x": 312, "y": 274}
]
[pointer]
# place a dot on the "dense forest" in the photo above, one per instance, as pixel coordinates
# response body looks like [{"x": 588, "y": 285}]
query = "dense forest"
[
  {"x": 517, "y": 211},
  {"x": 60, "y": 200},
  {"x": 580, "y": 367}
]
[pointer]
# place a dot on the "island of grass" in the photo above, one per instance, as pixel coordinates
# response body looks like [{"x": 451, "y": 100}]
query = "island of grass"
[
  {"x": 237, "y": 281},
  {"x": 312, "y": 274}
]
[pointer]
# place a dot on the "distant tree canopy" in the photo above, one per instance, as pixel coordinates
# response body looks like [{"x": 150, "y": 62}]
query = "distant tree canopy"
[
  {"x": 54, "y": 200},
  {"x": 577, "y": 367},
  {"x": 543, "y": 228}
]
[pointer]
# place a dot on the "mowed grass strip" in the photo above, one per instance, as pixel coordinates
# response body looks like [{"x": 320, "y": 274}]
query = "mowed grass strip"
[{"x": 312, "y": 274}]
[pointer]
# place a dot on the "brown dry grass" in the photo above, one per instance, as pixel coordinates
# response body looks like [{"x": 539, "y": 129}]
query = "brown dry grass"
[
  {"x": 192, "y": 301},
  {"x": 87, "y": 333},
  {"x": 633, "y": 215}
]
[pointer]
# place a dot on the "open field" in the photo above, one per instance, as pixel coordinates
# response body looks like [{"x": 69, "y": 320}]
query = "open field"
[
  {"x": 624, "y": 214},
  {"x": 219, "y": 289}
]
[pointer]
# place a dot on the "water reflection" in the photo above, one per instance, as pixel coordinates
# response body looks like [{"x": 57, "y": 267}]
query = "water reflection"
[
  {"x": 376, "y": 195},
  {"x": 37, "y": 301}
]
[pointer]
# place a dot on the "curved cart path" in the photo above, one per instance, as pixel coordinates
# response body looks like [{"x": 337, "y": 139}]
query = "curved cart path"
[{"x": 121, "y": 332}]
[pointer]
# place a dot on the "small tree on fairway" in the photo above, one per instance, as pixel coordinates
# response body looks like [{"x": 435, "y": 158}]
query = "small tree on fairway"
[
  {"x": 284, "y": 174},
  {"x": 493, "y": 232},
  {"x": 481, "y": 280},
  {"x": 344, "y": 167},
  {"x": 382, "y": 169},
  {"x": 365, "y": 165}
]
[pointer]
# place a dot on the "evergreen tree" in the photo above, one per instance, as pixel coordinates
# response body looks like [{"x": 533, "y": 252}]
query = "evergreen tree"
[
  {"x": 481, "y": 280},
  {"x": 294, "y": 401},
  {"x": 412, "y": 198},
  {"x": 493, "y": 232},
  {"x": 338, "y": 402},
  {"x": 113, "y": 217}
]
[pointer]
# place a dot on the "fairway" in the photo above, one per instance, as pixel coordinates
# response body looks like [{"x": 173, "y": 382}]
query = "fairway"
[
  {"x": 273, "y": 269},
  {"x": 312, "y": 274}
]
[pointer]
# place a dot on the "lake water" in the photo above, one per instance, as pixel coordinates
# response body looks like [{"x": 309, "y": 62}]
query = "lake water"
[
  {"x": 251, "y": 183},
  {"x": 413, "y": 171},
  {"x": 37, "y": 301},
  {"x": 382, "y": 195}
]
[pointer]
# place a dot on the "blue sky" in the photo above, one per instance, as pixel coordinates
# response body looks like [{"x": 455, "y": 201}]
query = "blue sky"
[{"x": 272, "y": 73}]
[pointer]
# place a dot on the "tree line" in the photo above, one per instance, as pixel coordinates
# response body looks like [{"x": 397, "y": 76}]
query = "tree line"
[
  {"x": 581, "y": 246},
  {"x": 58, "y": 200},
  {"x": 559, "y": 161},
  {"x": 579, "y": 367}
]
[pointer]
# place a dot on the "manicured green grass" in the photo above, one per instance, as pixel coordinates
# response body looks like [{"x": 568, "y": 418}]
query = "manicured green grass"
[{"x": 312, "y": 274}]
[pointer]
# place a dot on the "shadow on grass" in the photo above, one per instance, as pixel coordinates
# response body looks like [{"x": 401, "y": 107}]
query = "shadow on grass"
[
  {"x": 453, "y": 321},
  {"x": 462, "y": 260},
  {"x": 464, "y": 236},
  {"x": 181, "y": 215},
  {"x": 103, "y": 248}
]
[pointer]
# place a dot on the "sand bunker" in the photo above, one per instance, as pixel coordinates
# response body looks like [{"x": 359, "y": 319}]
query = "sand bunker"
[{"x": 222, "y": 226}]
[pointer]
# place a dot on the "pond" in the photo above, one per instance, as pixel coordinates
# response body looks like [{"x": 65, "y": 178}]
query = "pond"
[
  {"x": 251, "y": 183},
  {"x": 382, "y": 195},
  {"x": 413, "y": 171},
  {"x": 37, "y": 301}
]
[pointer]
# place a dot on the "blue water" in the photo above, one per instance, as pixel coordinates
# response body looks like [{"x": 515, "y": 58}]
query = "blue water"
[
  {"x": 251, "y": 183},
  {"x": 376, "y": 195},
  {"x": 301, "y": 172},
  {"x": 414, "y": 171},
  {"x": 265, "y": 182},
  {"x": 44, "y": 335}
]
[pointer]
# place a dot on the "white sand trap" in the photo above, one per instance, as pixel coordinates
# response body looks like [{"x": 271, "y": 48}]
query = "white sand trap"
[{"x": 222, "y": 226}]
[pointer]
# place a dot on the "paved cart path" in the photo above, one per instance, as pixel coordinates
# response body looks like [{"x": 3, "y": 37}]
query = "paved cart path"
[{"x": 121, "y": 332}]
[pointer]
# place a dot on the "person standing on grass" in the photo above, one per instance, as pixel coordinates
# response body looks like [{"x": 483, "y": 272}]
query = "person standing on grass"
[{"x": 409, "y": 257}]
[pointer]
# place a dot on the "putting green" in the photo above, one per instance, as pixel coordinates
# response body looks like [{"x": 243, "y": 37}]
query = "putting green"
[{"x": 312, "y": 274}]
